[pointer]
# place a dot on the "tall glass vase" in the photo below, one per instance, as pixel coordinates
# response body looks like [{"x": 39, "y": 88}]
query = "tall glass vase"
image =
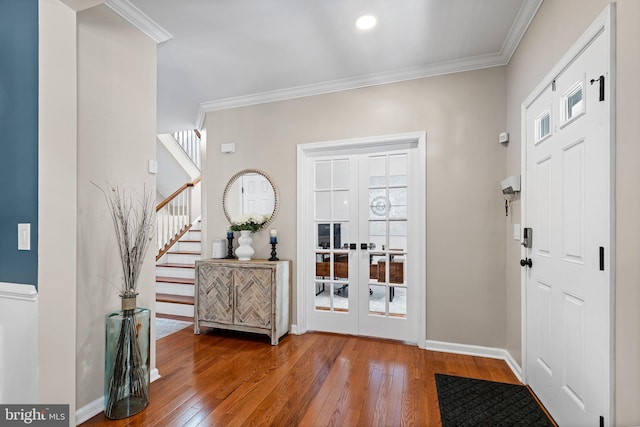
[
  {"x": 244, "y": 252},
  {"x": 127, "y": 363}
]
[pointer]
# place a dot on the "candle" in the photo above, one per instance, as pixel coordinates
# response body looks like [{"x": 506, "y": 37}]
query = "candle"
[
  {"x": 229, "y": 234},
  {"x": 273, "y": 239},
  {"x": 273, "y": 233}
]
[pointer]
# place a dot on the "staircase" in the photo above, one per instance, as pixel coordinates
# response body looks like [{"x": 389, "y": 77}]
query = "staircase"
[{"x": 175, "y": 276}]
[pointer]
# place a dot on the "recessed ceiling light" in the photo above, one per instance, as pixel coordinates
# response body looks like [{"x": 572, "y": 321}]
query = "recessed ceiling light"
[{"x": 366, "y": 22}]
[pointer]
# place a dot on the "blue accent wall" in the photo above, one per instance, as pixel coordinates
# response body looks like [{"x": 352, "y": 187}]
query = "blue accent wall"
[{"x": 18, "y": 138}]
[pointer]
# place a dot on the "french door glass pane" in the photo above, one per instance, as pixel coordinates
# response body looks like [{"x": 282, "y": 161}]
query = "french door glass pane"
[
  {"x": 323, "y": 205},
  {"x": 340, "y": 174},
  {"x": 341, "y": 205},
  {"x": 323, "y": 175},
  {"x": 398, "y": 203},
  {"x": 377, "y": 171}
]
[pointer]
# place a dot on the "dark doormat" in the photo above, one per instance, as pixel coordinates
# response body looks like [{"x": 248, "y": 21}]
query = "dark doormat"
[{"x": 470, "y": 402}]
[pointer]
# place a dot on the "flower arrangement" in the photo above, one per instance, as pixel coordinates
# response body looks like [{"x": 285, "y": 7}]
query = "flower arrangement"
[{"x": 252, "y": 222}]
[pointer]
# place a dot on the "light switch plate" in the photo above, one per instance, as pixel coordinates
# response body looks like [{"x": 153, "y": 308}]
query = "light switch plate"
[
  {"x": 516, "y": 231},
  {"x": 24, "y": 237}
]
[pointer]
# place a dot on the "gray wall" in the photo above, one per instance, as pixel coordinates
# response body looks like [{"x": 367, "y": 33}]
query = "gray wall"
[
  {"x": 462, "y": 115},
  {"x": 557, "y": 25},
  {"x": 19, "y": 143}
]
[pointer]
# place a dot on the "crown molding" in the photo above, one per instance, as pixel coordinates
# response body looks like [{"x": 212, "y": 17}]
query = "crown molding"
[
  {"x": 521, "y": 23},
  {"x": 448, "y": 67},
  {"x": 139, "y": 19},
  {"x": 525, "y": 15}
]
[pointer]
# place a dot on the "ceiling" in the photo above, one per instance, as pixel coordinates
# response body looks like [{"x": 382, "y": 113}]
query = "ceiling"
[{"x": 216, "y": 54}]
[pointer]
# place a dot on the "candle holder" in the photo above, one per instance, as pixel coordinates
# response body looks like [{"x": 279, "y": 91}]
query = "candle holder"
[
  {"x": 274, "y": 242},
  {"x": 230, "y": 247}
]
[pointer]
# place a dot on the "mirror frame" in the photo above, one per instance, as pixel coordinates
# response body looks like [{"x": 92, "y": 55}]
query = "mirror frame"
[{"x": 232, "y": 180}]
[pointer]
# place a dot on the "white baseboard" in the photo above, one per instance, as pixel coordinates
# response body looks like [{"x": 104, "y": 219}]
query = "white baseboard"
[
  {"x": 296, "y": 331},
  {"x": 476, "y": 350},
  {"x": 92, "y": 409}
]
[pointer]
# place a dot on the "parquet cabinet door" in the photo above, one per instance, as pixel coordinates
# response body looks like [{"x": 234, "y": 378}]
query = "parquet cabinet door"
[
  {"x": 215, "y": 294},
  {"x": 253, "y": 295}
]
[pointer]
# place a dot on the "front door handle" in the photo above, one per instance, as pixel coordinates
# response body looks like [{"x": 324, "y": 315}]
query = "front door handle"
[{"x": 526, "y": 262}]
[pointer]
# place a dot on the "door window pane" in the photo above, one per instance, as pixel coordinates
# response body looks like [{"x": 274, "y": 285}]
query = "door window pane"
[
  {"x": 323, "y": 175},
  {"x": 398, "y": 170},
  {"x": 574, "y": 103},
  {"x": 377, "y": 171},
  {"x": 397, "y": 203},
  {"x": 398, "y": 303},
  {"x": 323, "y": 205},
  {"x": 341, "y": 174},
  {"x": 341, "y": 205},
  {"x": 322, "y": 296},
  {"x": 376, "y": 268},
  {"x": 378, "y": 300},
  {"x": 377, "y": 203}
]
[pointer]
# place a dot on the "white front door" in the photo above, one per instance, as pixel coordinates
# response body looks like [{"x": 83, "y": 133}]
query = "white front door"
[
  {"x": 567, "y": 207},
  {"x": 364, "y": 275}
]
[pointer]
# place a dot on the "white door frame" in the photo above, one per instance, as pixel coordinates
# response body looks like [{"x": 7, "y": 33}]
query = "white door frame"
[
  {"x": 415, "y": 140},
  {"x": 605, "y": 22}
]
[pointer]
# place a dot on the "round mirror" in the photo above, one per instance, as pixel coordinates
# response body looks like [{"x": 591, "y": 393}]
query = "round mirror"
[{"x": 248, "y": 192}]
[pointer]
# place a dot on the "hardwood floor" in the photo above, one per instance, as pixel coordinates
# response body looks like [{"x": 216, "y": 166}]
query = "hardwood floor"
[{"x": 316, "y": 379}]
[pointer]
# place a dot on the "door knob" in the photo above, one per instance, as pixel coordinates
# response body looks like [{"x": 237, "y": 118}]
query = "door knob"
[{"x": 526, "y": 262}]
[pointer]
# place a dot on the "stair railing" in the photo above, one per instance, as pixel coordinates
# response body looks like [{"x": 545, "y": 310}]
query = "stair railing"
[
  {"x": 174, "y": 217},
  {"x": 189, "y": 140}
]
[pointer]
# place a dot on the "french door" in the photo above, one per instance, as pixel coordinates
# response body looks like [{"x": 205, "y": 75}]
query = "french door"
[{"x": 362, "y": 256}]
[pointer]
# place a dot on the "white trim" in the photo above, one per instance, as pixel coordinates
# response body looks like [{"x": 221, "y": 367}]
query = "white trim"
[
  {"x": 519, "y": 27},
  {"x": 527, "y": 11},
  {"x": 89, "y": 410},
  {"x": 139, "y": 19},
  {"x": 93, "y": 408},
  {"x": 18, "y": 291},
  {"x": 605, "y": 22},
  {"x": 418, "y": 140},
  {"x": 476, "y": 350},
  {"x": 295, "y": 330}
]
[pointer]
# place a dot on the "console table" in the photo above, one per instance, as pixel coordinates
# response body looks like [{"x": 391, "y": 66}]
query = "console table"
[{"x": 249, "y": 296}]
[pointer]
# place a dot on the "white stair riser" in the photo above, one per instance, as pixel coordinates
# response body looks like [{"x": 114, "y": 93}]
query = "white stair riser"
[
  {"x": 174, "y": 309},
  {"x": 183, "y": 273},
  {"x": 174, "y": 289},
  {"x": 197, "y": 226},
  {"x": 182, "y": 259},
  {"x": 189, "y": 246},
  {"x": 192, "y": 235}
]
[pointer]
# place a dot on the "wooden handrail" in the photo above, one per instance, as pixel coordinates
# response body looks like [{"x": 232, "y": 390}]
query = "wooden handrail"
[
  {"x": 166, "y": 201},
  {"x": 197, "y": 132}
]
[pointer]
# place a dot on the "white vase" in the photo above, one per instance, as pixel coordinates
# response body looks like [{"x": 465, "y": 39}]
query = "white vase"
[{"x": 244, "y": 252}]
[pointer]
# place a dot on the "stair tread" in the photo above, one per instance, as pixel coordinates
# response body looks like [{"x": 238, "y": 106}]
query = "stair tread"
[
  {"x": 176, "y": 299},
  {"x": 190, "y": 241},
  {"x": 176, "y": 265},
  {"x": 181, "y": 280},
  {"x": 185, "y": 252}
]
